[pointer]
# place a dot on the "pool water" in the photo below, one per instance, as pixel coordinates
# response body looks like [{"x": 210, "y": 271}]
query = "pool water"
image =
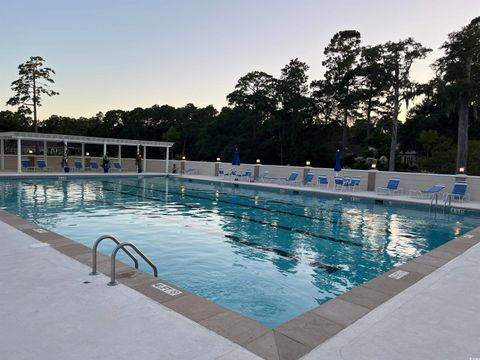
[{"x": 268, "y": 255}]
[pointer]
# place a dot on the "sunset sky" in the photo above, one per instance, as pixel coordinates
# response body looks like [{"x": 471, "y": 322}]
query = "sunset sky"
[{"x": 119, "y": 54}]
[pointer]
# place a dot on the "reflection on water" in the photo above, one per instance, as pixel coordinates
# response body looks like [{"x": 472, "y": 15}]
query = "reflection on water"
[{"x": 270, "y": 256}]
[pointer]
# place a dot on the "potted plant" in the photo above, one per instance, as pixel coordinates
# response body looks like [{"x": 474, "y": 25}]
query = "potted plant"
[
  {"x": 105, "y": 163},
  {"x": 138, "y": 162}
]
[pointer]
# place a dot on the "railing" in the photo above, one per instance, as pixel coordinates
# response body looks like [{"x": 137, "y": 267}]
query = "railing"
[
  {"x": 138, "y": 251},
  {"x": 94, "y": 252}
]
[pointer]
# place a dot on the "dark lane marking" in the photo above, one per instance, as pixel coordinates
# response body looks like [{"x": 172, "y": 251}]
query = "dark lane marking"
[
  {"x": 240, "y": 204},
  {"x": 245, "y": 218},
  {"x": 328, "y": 268}
]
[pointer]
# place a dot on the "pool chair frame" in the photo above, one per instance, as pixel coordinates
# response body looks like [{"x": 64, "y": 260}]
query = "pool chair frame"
[
  {"x": 263, "y": 176},
  {"x": 457, "y": 193},
  {"x": 429, "y": 193},
  {"x": 352, "y": 184},
  {"x": 322, "y": 180},
  {"x": 78, "y": 166},
  {"x": 42, "y": 165},
  {"x": 27, "y": 165},
  {"x": 390, "y": 189},
  {"x": 96, "y": 167},
  {"x": 118, "y": 167},
  {"x": 292, "y": 179},
  {"x": 308, "y": 180},
  {"x": 247, "y": 175}
]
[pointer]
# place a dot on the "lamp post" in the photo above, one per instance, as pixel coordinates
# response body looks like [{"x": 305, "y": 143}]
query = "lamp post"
[
  {"x": 256, "y": 169},
  {"x": 217, "y": 167}
]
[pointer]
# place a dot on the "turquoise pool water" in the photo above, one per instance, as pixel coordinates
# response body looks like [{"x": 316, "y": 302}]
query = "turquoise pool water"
[{"x": 270, "y": 256}]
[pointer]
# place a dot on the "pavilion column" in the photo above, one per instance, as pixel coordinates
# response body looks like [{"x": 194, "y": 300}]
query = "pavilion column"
[
  {"x": 144, "y": 159},
  {"x": 2, "y": 154},
  {"x": 104, "y": 149},
  {"x": 167, "y": 155},
  {"x": 83, "y": 156},
  {"x": 120, "y": 154},
  {"x": 45, "y": 149},
  {"x": 19, "y": 155}
]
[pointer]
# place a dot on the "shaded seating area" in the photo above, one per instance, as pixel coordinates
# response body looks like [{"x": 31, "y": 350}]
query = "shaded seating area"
[{"x": 54, "y": 146}]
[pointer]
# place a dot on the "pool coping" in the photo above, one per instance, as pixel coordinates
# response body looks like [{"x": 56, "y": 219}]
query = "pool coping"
[{"x": 292, "y": 339}]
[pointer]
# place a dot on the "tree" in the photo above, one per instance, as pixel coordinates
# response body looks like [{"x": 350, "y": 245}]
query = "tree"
[
  {"x": 256, "y": 92},
  {"x": 342, "y": 55},
  {"x": 33, "y": 82},
  {"x": 294, "y": 111},
  {"x": 398, "y": 60},
  {"x": 460, "y": 71},
  {"x": 371, "y": 73}
]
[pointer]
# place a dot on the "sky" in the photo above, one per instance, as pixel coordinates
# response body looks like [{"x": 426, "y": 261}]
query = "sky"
[{"x": 122, "y": 54}]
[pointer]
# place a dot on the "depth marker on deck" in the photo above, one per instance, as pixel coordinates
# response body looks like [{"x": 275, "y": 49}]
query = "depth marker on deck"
[
  {"x": 41, "y": 231},
  {"x": 166, "y": 289},
  {"x": 397, "y": 275}
]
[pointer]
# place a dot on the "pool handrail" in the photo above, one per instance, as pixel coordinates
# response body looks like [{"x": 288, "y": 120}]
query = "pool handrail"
[
  {"x": 94, "y": 252},
  {"x": 138, "y": 251}
]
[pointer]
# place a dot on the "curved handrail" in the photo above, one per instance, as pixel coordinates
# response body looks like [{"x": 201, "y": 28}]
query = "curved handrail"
[
  {"x": 138, "y": 251},
  {"x": 94, "y": 252}
]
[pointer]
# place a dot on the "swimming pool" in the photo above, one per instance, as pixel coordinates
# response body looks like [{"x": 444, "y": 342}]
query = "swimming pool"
[{"x": 268, "y": 255}]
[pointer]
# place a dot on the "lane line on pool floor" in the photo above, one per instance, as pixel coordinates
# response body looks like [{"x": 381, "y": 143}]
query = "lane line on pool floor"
[{"x": 277, "y": 226}]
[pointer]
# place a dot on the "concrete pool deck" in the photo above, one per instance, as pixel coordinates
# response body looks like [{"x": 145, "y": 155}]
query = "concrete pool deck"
[
  {"x": 48, "y": 312},
  {"x": 302, "y": 335}
]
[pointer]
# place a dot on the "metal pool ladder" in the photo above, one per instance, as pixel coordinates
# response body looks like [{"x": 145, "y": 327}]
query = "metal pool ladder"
[{"x": 119, "y": 246}]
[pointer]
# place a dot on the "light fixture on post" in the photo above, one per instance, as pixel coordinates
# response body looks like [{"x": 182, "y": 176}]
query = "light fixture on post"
[
  {"x": 461, "y": 170},
  {"x": 30, "y": 151},
  {"x": 87, "y": 154},
  {"x": 258, "y": 161},
  {"x": 373, "y": 166},
  {"x": 183, "y": 157},
  {"x": 307, "y": 163},
  {"x": 218, "y": 159}
]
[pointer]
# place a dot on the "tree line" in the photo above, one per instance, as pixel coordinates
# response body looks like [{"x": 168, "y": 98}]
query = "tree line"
[{"x": 289, "y": 119}]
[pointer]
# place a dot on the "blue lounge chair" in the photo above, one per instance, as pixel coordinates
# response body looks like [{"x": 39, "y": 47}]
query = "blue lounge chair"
[
  {"x": 27, "y": 165},
  {"x": 428, "y": 193},
  {"x": 192, "y": 171},
  {"x": 94, "y": 165},
  {"x": 391, "y": 188},
  {"x": 292, "y": 179},
  {"x": 352, "y": 184},
  {"x": 459, "y": 192},
  {"x": 247, "y": 175},
  {"x": 78, "y": 166},
  {"x": 322, "y": 181},
  {"x": 263, "y": 176},
  {"x": 41, "y": 165},
  {"x": 338, "y": 183},
  {"x": 346, "y": 182},
  {"x": 117, "y": 166},
  {"x": 308, "y": 178}
]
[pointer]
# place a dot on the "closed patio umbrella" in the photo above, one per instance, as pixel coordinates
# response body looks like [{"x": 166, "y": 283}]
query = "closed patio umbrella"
[
  {"x": 338, "y": 165},
  {"x": 236, "y": 158}
]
